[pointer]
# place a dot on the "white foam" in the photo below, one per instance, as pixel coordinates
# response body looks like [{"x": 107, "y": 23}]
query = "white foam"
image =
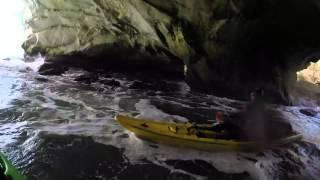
[
  {"x": 10, "y": 132},
  {"x": 228, "y": 162},
  {"x": 309, "y": 127},
  {"x": 35, "y": 65},
  {"x": 148, "y": 111},
  {"x": 18, "y": 64}
]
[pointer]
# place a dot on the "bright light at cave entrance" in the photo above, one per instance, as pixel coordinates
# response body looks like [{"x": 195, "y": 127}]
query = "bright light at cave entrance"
[
  {"x": 11, "y": 29},
  {"x": 310, "y": 74}
]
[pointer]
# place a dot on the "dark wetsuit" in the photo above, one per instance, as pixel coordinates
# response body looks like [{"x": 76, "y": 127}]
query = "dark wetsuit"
[
  {"x": 228, "y": 130},
  {"x": 225, "y": 130}
]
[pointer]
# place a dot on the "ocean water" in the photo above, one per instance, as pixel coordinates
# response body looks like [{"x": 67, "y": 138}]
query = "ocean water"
[{"x": 54, "y": 127}]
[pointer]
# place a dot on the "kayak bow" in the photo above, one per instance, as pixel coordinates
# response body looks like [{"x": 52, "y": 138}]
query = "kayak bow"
[{"x": 8, "y": 171}]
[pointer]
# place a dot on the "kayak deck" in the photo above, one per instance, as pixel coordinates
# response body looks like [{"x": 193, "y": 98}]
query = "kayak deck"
[
  {"x": 9, "y": 171},
  {"x": 185, "y": 135}
]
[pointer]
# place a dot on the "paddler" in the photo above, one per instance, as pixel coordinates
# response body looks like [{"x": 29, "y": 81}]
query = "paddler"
[
  {"x": 219, "y": 118},
  {"x": 225, "y": 129}
]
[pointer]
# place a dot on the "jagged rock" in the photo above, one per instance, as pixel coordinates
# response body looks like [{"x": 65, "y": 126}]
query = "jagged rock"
[
  {"x": 87, "y": 78},
  {"x": 41, "y": 79},
  {"x": 52, "y": 69},
  {"x": 139, "y": 85},
  {"x": 228, "y": 47},
  {"x": 112, "y": 82},
  {"x": 309, "y": 112}
]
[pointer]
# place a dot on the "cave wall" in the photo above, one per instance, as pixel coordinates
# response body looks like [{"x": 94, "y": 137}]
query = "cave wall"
[{"x": 229, "y": 47}]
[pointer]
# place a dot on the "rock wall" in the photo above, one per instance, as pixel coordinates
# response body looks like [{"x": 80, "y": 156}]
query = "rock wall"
[{"x": 229, "y": 47}]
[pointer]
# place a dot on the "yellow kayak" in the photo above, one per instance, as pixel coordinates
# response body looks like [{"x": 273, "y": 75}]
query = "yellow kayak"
[{"x": 185, "y": 135}]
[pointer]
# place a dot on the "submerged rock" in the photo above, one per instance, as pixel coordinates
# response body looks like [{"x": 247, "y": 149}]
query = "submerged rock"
[
  {"x": 228, "y": 47},
  {"x": 52, "y": 69},
  {"x": 309, "y": 112},
  {"x": 87, "y": 78},
  {"x": 112, "y": 82},
  {"x": 41, "y": 79}
]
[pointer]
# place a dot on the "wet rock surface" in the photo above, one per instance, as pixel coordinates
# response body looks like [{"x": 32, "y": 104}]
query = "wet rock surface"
[
  {"x": 52, "y": 69},
  {"x": 87, "y": 78},
  {"x": 309, "y": 112},
  {"x": 112, "y": 83},
  {"x": 228, "y": 47}
]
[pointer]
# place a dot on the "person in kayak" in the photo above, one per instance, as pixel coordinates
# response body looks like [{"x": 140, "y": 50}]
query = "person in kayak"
[
  {"x": 240, "y": 125},
  {"x": 225, "y": 128},
  {"x": 222, "y": 128},
  {"x": 246, "y": 124}
]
